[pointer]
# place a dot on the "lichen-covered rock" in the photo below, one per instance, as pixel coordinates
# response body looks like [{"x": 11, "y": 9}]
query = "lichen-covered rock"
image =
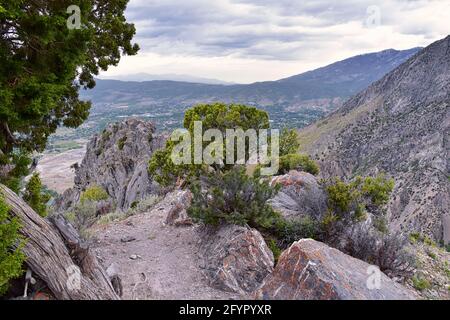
[
  {"x": 300, "y": 195},
  {"x": 311, "y": 270},
  {"x": 236, "y": 259},
  {"x": 116, "y": 159}
]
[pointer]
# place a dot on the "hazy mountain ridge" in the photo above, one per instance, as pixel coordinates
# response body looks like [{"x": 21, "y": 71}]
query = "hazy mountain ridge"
[
  {"x": 399, "y": 125},
  {"x": 140, "y": 77},
  {"x": 338, "y": 80}
]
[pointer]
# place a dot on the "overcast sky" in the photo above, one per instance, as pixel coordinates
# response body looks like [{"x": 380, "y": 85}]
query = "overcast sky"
[{"x": 255, "y": 40}]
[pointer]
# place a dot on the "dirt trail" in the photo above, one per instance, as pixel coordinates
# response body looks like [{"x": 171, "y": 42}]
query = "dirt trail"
[{"x": 161, "y": 263}]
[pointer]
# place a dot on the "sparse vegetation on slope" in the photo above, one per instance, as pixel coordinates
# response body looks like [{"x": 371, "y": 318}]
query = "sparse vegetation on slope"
[
  {"x": 397, "y": 125},
  {"x": 94, "y": 193}
]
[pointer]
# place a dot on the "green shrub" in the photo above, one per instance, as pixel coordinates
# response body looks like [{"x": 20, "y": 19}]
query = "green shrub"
[
  {"x": 165, "y": 172},
  {"x": 420, "y": 283},
  {"x": 298, "y": 162},
  {"x": 233, "y": 197},
  {"x": 447, "y": 272},
  {"x": 11, "y": 243},
  {"x": 415, "y": 237},
  {"x": 105, "y": 136},
  {"x": 429, "y": 242},
  {"x": 36, "y": 196},
  {"x": 289, "y": 142},
  {"x": 341, "y": 196},
  {"x": 134, "y": 204},
  {"x": 431, "y": 254},
  {"x": 290, "y": 231},
  {"x": 276, "y": 250},
  {"x": 94, "y": 193},
  {"x": 348, "y": 202},
  {"x": 378, "y": 189},
  {"x": 121, "y": 142}
]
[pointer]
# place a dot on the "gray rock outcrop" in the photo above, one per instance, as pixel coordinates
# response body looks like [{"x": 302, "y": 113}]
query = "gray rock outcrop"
[{"x": 117, "y": 160}]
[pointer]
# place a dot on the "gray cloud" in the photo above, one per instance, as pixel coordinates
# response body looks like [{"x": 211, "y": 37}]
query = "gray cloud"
[{"x": 265, "y": 29}]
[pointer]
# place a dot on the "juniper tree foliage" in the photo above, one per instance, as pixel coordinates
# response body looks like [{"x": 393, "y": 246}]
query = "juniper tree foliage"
[
  {"x": 293, "y": 161},
  {"x": 349, "y": 202},
  {"x": 289, "y": 142},
  {"x": 219, "y": 116},
  {"x": 35, "y": 196},
  {"x": 233, "y": 197},
  {"x": 11, "y": 255},
  {"x": 44, "y": 64}
]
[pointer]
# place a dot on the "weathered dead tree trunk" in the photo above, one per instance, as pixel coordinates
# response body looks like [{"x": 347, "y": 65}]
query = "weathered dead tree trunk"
[{"x": 54, "y": 252}]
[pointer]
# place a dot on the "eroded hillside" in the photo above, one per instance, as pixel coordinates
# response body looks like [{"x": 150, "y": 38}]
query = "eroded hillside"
[{"x": 400, "y": 125}]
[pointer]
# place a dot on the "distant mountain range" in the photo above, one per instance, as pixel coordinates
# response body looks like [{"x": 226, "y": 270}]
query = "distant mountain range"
[
  {"x": 140, "y": 77},
  {"x": 294, "y": 102},
  {"x": 323, "y": 89}
]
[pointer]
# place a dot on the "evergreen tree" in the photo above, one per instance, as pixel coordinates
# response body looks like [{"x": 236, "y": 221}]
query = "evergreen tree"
[
  {"x": 35, "y": 197},
  {"x": 219, "y": 116},
  {"x": 43, "y": 65}
]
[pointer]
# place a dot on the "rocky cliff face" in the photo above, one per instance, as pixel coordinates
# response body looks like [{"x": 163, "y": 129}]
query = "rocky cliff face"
[
  {"x": 117, "y": 160},
  {"x": 400, "y": 125}
]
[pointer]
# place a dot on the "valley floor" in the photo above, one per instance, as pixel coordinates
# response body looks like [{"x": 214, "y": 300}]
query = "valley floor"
[{"x": 55, "y": 170}]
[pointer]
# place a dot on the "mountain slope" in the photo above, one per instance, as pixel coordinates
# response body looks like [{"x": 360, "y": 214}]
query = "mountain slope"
[
  {"x": 352, "y": 75},
  {"x": 399, "y": 125}
]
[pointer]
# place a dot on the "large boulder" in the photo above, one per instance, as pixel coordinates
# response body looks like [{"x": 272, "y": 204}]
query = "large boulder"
[
  {"x": 235, "y": 258},
  {"x": 116, "y": 159},
  {"x": 311, "y": 270},
  {"x": 300, "y": 195}
]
